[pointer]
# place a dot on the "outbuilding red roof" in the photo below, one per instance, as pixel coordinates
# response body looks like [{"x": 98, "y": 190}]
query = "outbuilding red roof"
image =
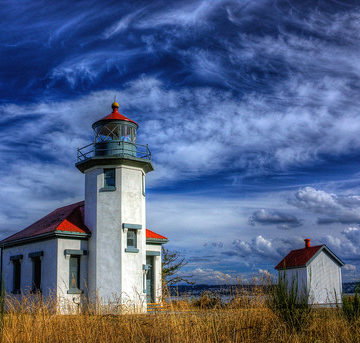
[
  {"x": 64, "y": 219},
  {"x": 115, "y": 115},
  {"x": 298, "y": 258}
]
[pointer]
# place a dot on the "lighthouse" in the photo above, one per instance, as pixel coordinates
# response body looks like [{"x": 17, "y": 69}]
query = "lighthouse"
[
  {"x": 98, "y": 249},
  {"x": 115, "y": 167}
]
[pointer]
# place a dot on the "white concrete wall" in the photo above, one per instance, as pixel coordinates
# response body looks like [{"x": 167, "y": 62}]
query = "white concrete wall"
[
  {"x": 115, "y": 275},
  {"x": 324, "y": 280},
  {"x": 48, "y": 266},
  {"x": 103, "y": 217},
  {"x": 63, "y": 268},
  {"x": 157, "y": 271},
  {"x": 92, "y": 178},
  {"x": 133, "y": 212}
]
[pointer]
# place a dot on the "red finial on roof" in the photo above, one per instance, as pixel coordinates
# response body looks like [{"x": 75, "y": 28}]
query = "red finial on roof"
[{"x": 307, "y": 243}]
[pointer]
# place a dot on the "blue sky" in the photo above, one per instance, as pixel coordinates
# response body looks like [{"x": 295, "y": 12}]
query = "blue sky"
[{"x": 250, "y": 108}]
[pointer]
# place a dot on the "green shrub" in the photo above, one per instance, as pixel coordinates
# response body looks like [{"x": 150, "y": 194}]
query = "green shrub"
[
  {"x": 351, "y": 307},
  {"x": 289, "y": 304}
]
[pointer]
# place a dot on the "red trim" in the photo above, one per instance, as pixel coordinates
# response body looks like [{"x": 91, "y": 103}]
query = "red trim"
[{"x": 115, "y": 115}]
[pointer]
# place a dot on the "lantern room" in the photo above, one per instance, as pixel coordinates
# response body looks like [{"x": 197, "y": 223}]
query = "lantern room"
[
  {"x": 115, "y": 134},
  {"x": 115, "y": 143}
]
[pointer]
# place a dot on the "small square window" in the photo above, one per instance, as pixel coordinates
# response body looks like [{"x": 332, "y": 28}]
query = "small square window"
[
  {"x": 109, "y": 178},
  {"x": 131, "y": 239}
]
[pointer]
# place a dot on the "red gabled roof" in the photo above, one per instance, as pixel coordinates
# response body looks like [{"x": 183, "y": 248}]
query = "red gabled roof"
[
  {"x": 68, "y": 218},
  {"x": 151, "y": 234},
  {"x": 115, "y": 115},
  {"x": 298, "y": 258},
  {"x": 64, "y": 219}
]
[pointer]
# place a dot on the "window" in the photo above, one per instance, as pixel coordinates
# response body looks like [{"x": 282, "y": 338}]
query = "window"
[
  {"x": 74, "y": 269},
  {"x": 131, "y": 239},
  {"x": 16, "y": 276},
  {"x": 109, "y": 178},
  {"x": 74, "y": 274},
  {"x": 36, "y": 262},
  {"x": 143, "y": 184}
]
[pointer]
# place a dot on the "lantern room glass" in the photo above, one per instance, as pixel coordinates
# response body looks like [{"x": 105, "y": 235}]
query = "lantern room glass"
[{"x": 115, "y": 132}]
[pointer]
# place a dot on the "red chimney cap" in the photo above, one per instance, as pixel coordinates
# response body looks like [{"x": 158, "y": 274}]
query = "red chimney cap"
[{"x": 307, "y": 242}]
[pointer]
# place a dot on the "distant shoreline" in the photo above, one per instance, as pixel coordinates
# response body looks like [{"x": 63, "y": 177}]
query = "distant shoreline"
[{"x": 227, "y": 290}]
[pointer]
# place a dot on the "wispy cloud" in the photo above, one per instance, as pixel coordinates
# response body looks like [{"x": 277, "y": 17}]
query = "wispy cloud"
[{"x": 223, "y": 90}]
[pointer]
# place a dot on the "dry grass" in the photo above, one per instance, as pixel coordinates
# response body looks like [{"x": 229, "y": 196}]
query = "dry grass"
[{"x": 242, "y": 320}]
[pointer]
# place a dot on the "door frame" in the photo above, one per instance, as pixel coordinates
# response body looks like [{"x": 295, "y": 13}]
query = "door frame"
[{"x": 152, "y": 279}]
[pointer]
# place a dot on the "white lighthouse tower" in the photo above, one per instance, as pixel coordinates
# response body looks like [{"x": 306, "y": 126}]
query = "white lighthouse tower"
[
  {"x": 115, "y": 168},
  {"x": 99, "y": 248}
]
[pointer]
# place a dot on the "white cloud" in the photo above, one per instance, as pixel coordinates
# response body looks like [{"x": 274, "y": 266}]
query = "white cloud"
[
  {"x": 122, "y": 24},
  {"x": 350, "y": 267},
  {"x": 258, "y": 248},
  {"x": 193, "y": 14},
  {"x": 264, "y": 272},
  {"x": 353, "y": 235},
  {"x": 347, "y": 246},
  {"x": 89, "y": 67},
  {"x": 210, "y": 276},
  {"x": 337, "y": 209},
  {"x": 282, "y": 220}
]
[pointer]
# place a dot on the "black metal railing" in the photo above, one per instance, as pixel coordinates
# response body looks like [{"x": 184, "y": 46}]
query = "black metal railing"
[{"x": 113, "y": 149}]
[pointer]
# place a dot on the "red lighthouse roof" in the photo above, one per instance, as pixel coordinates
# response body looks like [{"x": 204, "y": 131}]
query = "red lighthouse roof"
[
  {"x": 67, "y": 220},
  {"x": 115, "y": 115}
]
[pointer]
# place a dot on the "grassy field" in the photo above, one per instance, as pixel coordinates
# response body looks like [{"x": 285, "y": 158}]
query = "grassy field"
[{"x": 204, "y": 320}]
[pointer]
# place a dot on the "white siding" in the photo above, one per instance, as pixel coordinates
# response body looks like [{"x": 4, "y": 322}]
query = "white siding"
[
  {"x": 324, "y": 280},
  {"x": 297, "y": 276}
]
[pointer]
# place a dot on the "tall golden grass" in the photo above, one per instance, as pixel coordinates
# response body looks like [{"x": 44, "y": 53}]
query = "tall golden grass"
[{"x": 243, "y": 319}]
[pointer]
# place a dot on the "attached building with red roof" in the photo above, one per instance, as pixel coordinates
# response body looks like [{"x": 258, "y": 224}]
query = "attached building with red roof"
[
  {"x": 99, "y": 248},
  {"x": 315, "y": 272}
]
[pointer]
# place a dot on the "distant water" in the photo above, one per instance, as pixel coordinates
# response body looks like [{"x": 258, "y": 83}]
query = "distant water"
[
  {"x": 225, "y": 291},
  {"x": 349, "y": 287}
]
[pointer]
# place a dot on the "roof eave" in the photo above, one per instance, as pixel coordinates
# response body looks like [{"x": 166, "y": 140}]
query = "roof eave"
[
  {"x": 326, "y": 249},
  {"x": 48, "y": 235},
  {"x": 156, "y": 241},
  {"x": 108, "y": 121},
  {"x": 293, "y": 267}
]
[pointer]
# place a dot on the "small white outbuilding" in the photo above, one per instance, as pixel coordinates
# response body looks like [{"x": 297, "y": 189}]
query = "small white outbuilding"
[{"x": 315, "y": 271}]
